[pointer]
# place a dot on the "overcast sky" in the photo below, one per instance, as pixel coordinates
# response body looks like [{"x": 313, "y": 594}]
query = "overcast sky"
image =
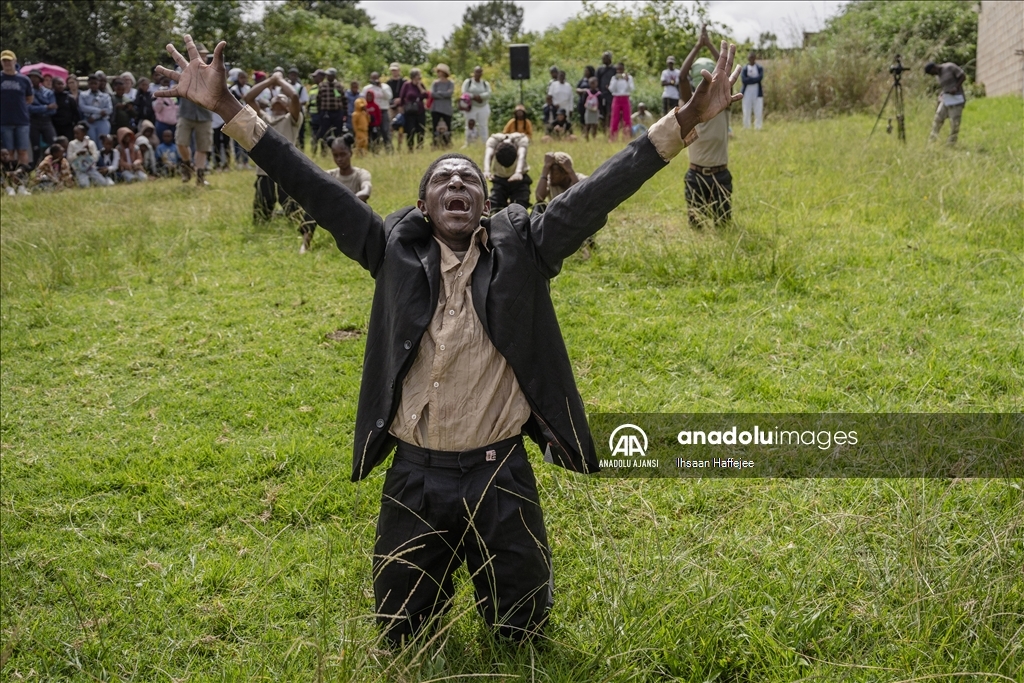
[{"x": 746, "y": 19}]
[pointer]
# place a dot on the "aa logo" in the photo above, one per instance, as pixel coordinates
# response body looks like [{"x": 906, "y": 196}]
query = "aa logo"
[{"x": 628, "y": 445}]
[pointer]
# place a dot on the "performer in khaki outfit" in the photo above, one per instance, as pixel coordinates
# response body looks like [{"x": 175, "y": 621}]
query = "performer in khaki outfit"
[{"x": 463, "y": 355}]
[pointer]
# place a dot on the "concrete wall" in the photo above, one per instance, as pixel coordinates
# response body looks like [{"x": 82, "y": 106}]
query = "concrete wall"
[{"x": 1001, "y": 47}]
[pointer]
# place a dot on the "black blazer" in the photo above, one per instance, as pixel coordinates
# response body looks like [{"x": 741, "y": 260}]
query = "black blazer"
[{"x": 510, "y": 291}]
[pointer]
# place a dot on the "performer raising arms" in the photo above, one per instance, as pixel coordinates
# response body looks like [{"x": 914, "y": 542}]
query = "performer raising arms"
[{"x": 463, "y": 354}]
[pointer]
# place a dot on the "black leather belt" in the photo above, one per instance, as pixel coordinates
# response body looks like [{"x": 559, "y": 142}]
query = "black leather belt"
[{"x": 707, "y": 170}]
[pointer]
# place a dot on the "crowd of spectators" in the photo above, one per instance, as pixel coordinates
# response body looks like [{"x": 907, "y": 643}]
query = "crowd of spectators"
[{"x": 96, "y": 130}]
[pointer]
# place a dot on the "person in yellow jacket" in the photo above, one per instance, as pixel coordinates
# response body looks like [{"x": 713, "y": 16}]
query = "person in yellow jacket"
[{"x": 361, "y": 126}]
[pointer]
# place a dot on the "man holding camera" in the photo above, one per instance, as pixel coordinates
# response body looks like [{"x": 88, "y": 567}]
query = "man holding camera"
[{"x": 951, "y": 98}]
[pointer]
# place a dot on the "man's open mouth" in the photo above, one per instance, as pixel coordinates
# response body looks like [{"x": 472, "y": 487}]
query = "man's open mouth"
[{"x": 457, "y": 205}]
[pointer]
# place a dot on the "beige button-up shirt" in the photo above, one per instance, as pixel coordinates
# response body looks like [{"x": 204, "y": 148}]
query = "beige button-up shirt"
[{"x": 460, "y": 393}]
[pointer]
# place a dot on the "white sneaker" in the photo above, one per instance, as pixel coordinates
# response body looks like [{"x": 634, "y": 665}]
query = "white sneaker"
[
  {"x": 10, "y": 191},
  {"x": 22, "y": 191}
]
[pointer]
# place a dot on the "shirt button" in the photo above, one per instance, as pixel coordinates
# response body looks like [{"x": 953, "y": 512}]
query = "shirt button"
[
  {"x": 380, "y": 424},
  {"x": 451, "y": 312},
  {"x": 407, "y": 345},
  {"x": 436, "y": 384},
  {"x": 460, "y": 274},
  {"x": 442, "y": 347},
  {"x": 414, "y": 416}
]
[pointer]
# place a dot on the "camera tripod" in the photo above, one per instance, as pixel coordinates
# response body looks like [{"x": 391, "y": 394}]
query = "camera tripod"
[{"x": 896, "y": 70}]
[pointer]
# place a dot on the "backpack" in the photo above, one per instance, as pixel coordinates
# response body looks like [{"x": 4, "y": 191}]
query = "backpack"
[{"x": 592, "y": 102}]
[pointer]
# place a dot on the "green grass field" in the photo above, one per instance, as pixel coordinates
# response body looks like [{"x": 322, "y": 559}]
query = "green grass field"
[{"x": 176, "y": 428}]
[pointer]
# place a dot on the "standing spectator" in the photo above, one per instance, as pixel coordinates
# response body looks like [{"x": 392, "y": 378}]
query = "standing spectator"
[
  {"x": 129, "y": 159},
  {"x": 124, "y": 107},
  {"x": 220, "y": 156},
  {"x": 54, "y": 171},
  {"x": 412, "y": 96},
  {"x": 549, "y": 114},
  {"x": 753, "y": 94},
  {"x": 670, "y": 85},
  {"x": 300, "y": 90},
  {"x": 505, "y": 166},
  {"x": 382, "y": 95},
  {"x": 621, "y": 88},
  {"x": 562, "y": 93},
  {"x": 395, "y": 83},
  {"x": 240, "y": 88},
  {"x": 553, "y": 72},
  {"x": 480, "y": 92},
  {"x": 708, "y": 182},
  {"x": 314, "y": 114},
  {"x": 592, "y": 109},
  {"x": 104, "y": 86},
  {"x": 95, "y": 106},
  {"x": 165, "y": 109},
  {"x": 194, "y": 119},
  {"x": 66, "y": 115},
  {"x": 361, "y": 126},
  {"x": 129, "y": 85},
  {"x": 332, "y": 105},
  {"x": 13, "y": 175},
  {"x": 72, "y": 85},
  {"x": 519, "y": 123},
  {"x": 144, "y": 102},
  {"x": 441, "y": 91},
  {"x": 605, "y": 74},
  {"x": 581, "y": 91},
  {"x": 373, "y": 110},
  {"x": 951, "y": 98},
  {"x": 41, "y": 111},
  {"x": 352, "y": 94},
  {"x": 263, "y": 101},
  {"x": 284, "y": 116},
  {"x": 82, "y": 155}
]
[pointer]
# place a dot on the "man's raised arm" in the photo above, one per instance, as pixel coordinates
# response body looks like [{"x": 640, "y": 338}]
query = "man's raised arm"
[
  {"x": 581, "y": 211},
  {"x": 358, "y": 231}
]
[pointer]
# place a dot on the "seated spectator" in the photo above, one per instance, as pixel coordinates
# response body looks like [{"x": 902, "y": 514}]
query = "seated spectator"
[
  {"x": 13, "y": 178},
  {"x": 167, "y": 154},
  {"x": 472, "y": 133},
  {"x": 129, "y": 160},
  {"x": 106, "y": 162},
  {"x": 82, "y": 154},
  {"x": 54, "y": 171},
  {"x": 357, "y": 180},
  {"x": 442, "y": 136},
  {"x": 561, "y": 129},
  {"x": 557, "y": 177},
  {"x": 148, "y": 153},
  {"x": 641, "y": 119},
  {"x": 519, "y": 123}
]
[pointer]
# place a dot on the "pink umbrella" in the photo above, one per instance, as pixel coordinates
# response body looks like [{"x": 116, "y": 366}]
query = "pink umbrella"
[{"x": 58, "y": 71}]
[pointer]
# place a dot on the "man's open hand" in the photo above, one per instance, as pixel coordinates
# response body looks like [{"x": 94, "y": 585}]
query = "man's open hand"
[
  {"x": 713, "y": 95},
  {"x": 203, "y": 84}
]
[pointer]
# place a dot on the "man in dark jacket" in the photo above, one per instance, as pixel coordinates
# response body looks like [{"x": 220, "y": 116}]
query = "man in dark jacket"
[
  {"x": 463, "y": 355},
  {"x": 66, "y": 115}
]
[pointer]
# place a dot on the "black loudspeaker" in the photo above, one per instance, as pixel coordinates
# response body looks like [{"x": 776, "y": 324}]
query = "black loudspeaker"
[{"x": 519, "y": 62}]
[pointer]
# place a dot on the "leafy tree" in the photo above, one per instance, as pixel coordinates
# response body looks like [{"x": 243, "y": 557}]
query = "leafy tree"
[
  {"x": 211, "y": 21},
  {"x": 405, "y": 44},
  {"x": 345, "y": 11},
  {"x": 495, "y": 20}
]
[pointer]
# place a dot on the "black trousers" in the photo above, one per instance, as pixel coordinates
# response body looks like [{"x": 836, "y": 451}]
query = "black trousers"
[
  {"x": 708, "y": 197},
  {"x": 440, "y": 509},
  {"x": 668, "y": 104},
  {"x": 504, "y": 193},
  {"x": 40, "y": 127},
  {"x": 414, "y": 123},
  {"x": 332, "y": 125},
  {"x": 269, "y": 193}
]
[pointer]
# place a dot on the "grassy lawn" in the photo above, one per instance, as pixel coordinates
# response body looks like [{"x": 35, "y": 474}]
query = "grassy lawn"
[{"x": 177, "y": 428}]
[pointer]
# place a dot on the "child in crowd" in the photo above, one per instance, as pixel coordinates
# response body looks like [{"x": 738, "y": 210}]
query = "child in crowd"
[
  {"x": 591, "y": 109},
  {"x": 54, "y": 171},
  {"x": 167, "y": 154},
  {"x": 148, "y": 154},
  {"x": 129, "y": 160},
  {"x": 361, "y": 126},
  {"x": 398, "y": 130},
  {"x": 82, "y": 154},
  {"x": 442, "y": 136},
  {"x": 106, "y": 163},
  {"x": 13, "y": 180},
  {"x": 356, "y": 179},
  {"x": 376, "y": 120},
  {"x": 550, "y": 114},
  {"x": 472, "y": 133},
  {"x": 561, "y": 129}
]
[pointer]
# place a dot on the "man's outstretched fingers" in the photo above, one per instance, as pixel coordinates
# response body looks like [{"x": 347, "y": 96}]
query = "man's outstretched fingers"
[
  {"x": 190, "y": 47},
  {"x": 170, "y": 92},
  {"x": 218, "y": 55},
  {"x": 176, "y": 56},
  {"x": 164, "y": 71}
]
